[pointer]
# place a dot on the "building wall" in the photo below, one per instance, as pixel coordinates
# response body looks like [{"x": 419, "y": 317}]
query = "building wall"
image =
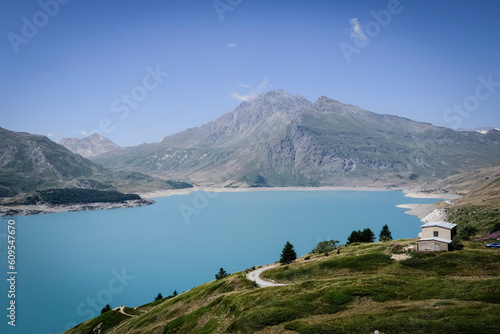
[
  {"x": 430, "y": 245},
  {"x": 444, "y": 233}
]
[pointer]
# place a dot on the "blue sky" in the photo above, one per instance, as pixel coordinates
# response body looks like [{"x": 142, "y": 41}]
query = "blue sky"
[{"x": 68, "y": 70}]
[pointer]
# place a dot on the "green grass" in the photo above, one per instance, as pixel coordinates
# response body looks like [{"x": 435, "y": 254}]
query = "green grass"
[
  {"x": 109, "y": 320},
  {"x": 434, "y": 317},
  {"x": 482, "y": 217},
  {"x": 359, "y": 290}
]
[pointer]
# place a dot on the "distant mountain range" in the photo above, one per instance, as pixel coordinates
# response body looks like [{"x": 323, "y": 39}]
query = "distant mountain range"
[
  {"x": 482, "y": 129},
  {"x": 90, "y": 146},
  {"x": 275, "y": 139},
  {"x": 31, "y": 162},
  {"x": 280, "y": 139}
]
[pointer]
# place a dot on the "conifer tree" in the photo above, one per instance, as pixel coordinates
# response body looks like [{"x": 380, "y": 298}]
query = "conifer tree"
[
  {"x": 385, "y": 234},
  {"x": 288, "y": 254}
]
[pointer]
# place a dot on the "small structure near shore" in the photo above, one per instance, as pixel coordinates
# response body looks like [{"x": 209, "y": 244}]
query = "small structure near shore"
[{"x": 436, "y": 236}]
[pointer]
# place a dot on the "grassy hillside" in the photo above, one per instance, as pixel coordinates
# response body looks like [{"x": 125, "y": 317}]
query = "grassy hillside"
[
  {"x": 357, "y": 291},
  {"x": 480, "y": 208}
]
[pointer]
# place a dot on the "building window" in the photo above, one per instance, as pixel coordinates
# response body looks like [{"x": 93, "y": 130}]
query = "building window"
[{"x": 436, "y": 234}]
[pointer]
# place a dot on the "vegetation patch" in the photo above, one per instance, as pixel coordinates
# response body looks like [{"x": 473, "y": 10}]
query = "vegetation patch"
[{"x": 78, "y": 196}]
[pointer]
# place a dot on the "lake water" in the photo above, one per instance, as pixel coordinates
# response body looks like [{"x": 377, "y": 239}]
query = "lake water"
[{"x": 71, "y": 264}]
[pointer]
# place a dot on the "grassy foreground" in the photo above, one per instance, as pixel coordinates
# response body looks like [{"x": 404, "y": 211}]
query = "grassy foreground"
[{"x": 359, "y": 290}]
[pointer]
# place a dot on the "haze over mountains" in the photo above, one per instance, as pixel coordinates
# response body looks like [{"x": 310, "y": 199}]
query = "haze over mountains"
[{"x": 280, "y": 139}]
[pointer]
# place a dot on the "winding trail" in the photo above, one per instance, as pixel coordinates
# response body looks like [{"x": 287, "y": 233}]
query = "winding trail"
[
  {"x": 255, "y": 276},
  {"x": 121, "y": 310}
]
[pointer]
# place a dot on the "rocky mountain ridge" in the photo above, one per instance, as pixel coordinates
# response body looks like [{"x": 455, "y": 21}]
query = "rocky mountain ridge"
[
  {"x": 32, "y": 162},
  {"x": 280, "y": 139}
]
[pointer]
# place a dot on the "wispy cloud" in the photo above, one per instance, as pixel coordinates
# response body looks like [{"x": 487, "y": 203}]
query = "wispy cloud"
[
  {"x": 231, "y": 45},
  {"x": 262, "y": 87},
  {"x": 83, "y": 132},
  {"x": 247, "y": 97},
  {"x": 356, "y": 31}
]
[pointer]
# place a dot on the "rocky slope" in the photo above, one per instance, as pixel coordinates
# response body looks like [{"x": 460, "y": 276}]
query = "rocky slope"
[
  {"x": 31, "y": 162},
  {"x": 90, "y": 146},
  {"x": 279, "y": 139}
]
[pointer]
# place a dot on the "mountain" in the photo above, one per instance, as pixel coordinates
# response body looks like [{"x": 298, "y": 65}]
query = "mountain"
[
  {"x": 90, "y": 146},
  {"x": 280, "y": 139},
  {"x": 32, "y": 162},
  {"x": 483, "y": 129}
]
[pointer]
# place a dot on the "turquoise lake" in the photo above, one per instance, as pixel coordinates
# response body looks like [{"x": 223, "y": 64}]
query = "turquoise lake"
[{"x": 71, "y": 264}]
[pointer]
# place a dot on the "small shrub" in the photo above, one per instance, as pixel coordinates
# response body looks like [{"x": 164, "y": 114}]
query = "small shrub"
[
  {"x": 106, "y": 309},
  {"x": 456, "y": 244}
]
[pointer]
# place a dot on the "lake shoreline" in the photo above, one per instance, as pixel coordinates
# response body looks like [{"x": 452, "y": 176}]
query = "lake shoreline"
[
  {"x": 409, "y": 192},
  {"x": 27, "y": 210},
  {"x": 419, "y": 210}
]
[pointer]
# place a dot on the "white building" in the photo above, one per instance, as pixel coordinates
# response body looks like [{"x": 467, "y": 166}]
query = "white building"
[{"x": 436, "y": 236}]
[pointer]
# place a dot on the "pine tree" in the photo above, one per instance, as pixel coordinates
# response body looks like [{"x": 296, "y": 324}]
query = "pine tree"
[
  {"x": 175, "y": 293},
  {"x": 385, "y": 234},
  {"x": 221, "y": 274},
  {"x": 159, "y": 297},
  {"x": 367, "y": 235},
  {"x": 288, "y": 254},
  {"x": 361, "y": 236}
]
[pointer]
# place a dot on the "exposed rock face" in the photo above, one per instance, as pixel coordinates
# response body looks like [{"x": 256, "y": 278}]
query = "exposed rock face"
[
  {"x": 279, "y": 139},
  {"x": 31, "y": 162},
  {"x": 90, "y": 146}
]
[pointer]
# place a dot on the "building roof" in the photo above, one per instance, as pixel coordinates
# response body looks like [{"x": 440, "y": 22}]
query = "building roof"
[
  {"x": 435, "y": 239},
  {"x": 445, "y": 225}
]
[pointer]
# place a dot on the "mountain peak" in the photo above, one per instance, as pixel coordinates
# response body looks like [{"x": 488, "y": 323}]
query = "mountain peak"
[{"x": 90, "y": 146}]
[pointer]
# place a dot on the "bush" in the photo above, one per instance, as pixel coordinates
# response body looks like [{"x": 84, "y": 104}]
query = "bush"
[
  {"x": 325, "y": 246},
  {"x": 466, "y": 231},
  {"x": 106, "y": 309},
  {"x": 456, "y": 244},
  {"x": 159, "y": 297}
]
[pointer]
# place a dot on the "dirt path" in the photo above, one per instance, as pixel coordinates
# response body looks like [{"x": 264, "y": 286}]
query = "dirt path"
[
  {"x": 255, "y": 276},
  {"x": 121, "y": 310}
]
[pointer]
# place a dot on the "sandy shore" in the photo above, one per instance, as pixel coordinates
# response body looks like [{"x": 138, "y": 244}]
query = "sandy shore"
[
  {"x": 165, "y": 193},
  {"x": 428, "y": 213},
  {"x": 408, "y": 192},
  {"x": 414, "y": 194}
]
